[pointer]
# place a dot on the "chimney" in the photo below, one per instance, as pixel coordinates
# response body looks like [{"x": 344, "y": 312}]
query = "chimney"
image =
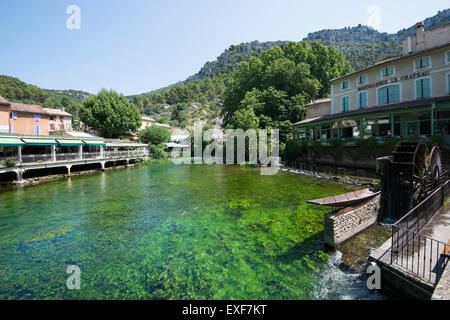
[{"x": 420, "y": 36}]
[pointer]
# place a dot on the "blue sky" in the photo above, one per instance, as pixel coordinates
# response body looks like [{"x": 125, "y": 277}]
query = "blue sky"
[{"x": 134, "y": 46}]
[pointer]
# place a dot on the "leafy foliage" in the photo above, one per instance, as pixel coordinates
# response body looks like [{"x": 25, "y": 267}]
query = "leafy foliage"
[
  {"x": 157, "y": 151},
  {"x": 15, "y": 90},
  {"x": 155, "y": 135},
  {"x": 110, "y": 113},
  {"x": 276, "y": 85}
]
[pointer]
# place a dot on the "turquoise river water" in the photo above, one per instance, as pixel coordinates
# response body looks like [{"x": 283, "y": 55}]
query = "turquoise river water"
[{"x": 168, "y": 231}]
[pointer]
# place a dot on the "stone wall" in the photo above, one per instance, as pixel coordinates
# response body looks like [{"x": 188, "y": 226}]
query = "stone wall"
[{"x": 344, "y": 224}]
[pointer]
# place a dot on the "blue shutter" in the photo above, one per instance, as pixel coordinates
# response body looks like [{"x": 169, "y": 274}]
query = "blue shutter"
[
  {"x": 426, "y": 88},
  {"x": 448, "y": 82},
  {"x": 419, "y": 89},
  {"x": 425, "y": 62},
  {"x": 362, "y": 99},
  {"x": 394, "y": 94},
  {"x": 417, "y": 63},
  {"x": 382, "y": 96}
]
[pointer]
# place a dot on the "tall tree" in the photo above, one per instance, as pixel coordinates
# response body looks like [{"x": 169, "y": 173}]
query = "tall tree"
[
  {"x": 277, "y": 84},
  {"x": 110, "y": 113}
]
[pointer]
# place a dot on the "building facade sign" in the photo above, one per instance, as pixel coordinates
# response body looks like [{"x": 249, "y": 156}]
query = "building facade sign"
[{"x": 395, "y": 79}]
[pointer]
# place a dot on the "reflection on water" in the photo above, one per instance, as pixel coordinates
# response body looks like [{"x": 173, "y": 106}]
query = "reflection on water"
[{"x": 171, "y": 232}]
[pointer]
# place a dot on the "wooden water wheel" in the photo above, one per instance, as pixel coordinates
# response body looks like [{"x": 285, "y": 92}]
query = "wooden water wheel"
[
  {"x": 434, "y": 168},
  {"x": 410, "y": 163},
  {"x": 415, "y": 171}
]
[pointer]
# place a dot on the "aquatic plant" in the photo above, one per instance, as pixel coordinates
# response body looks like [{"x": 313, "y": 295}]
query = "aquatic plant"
[{"x": 164, "y": 231}]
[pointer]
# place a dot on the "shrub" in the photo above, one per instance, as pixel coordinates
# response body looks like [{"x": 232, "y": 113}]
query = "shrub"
[
  {"x": 155, "y": 135},
  {"x": 157, "y": 151},
  {"x": 11, "y": 162}
]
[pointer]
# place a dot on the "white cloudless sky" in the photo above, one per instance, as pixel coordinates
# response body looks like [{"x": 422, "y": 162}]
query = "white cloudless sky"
[{"x": 134, "y": 46}]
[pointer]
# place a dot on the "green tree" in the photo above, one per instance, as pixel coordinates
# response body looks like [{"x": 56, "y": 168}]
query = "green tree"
[
  {"x": 244, "y": 119},
  {"x": 110, "y": 113},
  {"x": 155, "y": 135},
  {"x": 277, "y": 84}
]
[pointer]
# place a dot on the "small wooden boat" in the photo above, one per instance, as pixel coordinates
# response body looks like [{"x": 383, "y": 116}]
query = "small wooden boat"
[{"x": 345, "y": 199}]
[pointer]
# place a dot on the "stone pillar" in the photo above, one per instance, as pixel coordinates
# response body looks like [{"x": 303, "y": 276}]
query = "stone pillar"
[
  {"x": 19, "y": 174},
  {"x": 102, "y": 152},
  {"x": 80, "y": 152},
  {"x": 68, "y": 170},
  {"x": 53, "y": 152},
  {"x": 19, "y": 154},
  {"x": 103, "y": 165}
]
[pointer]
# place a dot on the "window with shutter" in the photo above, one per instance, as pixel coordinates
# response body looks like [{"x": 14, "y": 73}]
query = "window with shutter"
[
  {"x": 382, "y": 96},
  {"x": 362, "y": 99},
  {"x": 345, "y": 103},
  {"x": 389, "y": 94},
  {"x": 448, "y": 83},
  {"x": 421, "y": 63},
  {"x": 423, "y": 89},
  {"x": 393, "y": 94}
]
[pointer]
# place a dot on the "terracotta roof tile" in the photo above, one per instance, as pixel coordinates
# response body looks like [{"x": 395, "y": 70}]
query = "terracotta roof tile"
[
  {"x": 323, "y": 100},
  {"x": 4, "y": 101},
  {"x": 21, "y": 107},
  {"x": 57, "y": 112}
]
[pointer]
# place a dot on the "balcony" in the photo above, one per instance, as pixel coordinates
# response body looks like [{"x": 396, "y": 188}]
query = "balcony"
[{"x": 30, "y": 159}]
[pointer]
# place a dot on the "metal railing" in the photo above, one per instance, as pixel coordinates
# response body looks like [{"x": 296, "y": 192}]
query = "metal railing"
[
  {"x": 413, "y": 251},
  {"x": 41, "y": 158},
  {"x": 419, "y": 254},
  {"x": 329, "y": 169}
]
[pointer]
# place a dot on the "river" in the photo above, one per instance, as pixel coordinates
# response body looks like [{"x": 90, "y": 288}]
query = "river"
[{"x": 168, "y": 231}]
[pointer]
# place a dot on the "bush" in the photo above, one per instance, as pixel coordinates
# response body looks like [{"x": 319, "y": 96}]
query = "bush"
[
  {"x": 11, "y": 162},
  {"x": 155, "y": 135},
  {"x": 157, "y": 151},
  {"x": 292, "y": 150}
]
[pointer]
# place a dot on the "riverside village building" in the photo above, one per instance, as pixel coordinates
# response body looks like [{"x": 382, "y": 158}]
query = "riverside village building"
[{"x": 406, "y": 96}]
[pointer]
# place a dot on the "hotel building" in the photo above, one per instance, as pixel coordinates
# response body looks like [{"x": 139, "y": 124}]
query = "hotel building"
[{"x": 407, "y": 96}]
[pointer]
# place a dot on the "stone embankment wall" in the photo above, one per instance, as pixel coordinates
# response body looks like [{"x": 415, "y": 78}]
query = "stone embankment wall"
[{"x": 344, "y": 224}]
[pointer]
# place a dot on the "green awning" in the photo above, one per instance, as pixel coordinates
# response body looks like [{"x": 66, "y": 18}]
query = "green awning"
[
  {"x": 70, "y": 142},
  {"x": 40, "y": 142},
  {"x": 11, "y": 142},
  {"x": 94, "y": 143}
]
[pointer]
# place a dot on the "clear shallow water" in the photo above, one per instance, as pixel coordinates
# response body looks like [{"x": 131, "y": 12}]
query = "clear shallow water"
[{"x": 171, "y": 232}]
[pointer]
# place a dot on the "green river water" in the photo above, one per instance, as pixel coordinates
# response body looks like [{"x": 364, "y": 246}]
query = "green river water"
[{"x": 168, "y": 231}]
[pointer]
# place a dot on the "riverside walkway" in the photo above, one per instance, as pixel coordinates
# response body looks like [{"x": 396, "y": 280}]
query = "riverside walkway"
[{"x": 415, "y": 263}]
